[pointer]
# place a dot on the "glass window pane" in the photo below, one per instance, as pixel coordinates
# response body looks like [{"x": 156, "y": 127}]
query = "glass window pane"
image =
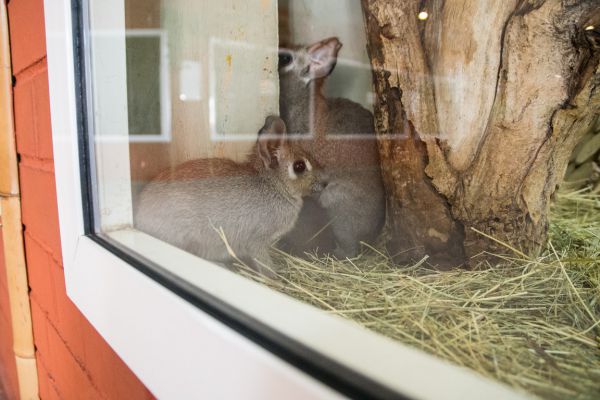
[{"x": 396, "y": 165}]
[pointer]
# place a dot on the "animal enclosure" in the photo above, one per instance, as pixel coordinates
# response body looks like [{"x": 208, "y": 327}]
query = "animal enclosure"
[{"x": 397, "y": 163}]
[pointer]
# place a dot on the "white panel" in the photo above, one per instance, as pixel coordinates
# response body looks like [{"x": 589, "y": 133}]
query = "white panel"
[
  {"x": 63, "y": 113},
  {"x": 178, "y": 351},
  {"x": 233, "y": 45},
  {"x": 243, "y": 86}
]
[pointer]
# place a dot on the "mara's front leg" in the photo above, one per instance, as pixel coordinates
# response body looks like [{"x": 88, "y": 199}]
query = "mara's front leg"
[{"x": 263, "y": 263}]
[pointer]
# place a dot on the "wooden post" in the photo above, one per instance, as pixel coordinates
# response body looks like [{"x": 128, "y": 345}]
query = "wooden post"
[{"x": 479, "y": 106}]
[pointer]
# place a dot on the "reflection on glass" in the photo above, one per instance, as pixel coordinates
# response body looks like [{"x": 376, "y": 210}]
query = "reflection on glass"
[
  {"x": 269, "y": 165},
  {"x": 148, "y": 93}
]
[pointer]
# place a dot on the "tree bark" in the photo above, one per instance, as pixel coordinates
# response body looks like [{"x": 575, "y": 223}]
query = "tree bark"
[{"x": 478, "y": 110}]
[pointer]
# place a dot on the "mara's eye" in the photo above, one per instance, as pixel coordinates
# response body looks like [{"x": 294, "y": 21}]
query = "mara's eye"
[
  {"x": 299, "y": 166},
  {"x": 285, "y": 59}
]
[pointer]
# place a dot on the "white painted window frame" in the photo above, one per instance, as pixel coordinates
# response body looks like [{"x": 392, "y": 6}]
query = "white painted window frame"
[{"x": 180, "y": 351}]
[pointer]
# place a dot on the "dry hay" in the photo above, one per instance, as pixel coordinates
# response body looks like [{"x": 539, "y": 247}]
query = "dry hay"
[{"x": 531, "y": 323}]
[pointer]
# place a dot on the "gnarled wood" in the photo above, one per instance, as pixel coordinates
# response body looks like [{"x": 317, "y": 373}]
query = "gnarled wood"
[{"x": 478, "y": 110}]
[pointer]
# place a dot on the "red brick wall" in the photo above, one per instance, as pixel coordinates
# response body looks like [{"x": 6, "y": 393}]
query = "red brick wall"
[{"x": 73, "y": 360}]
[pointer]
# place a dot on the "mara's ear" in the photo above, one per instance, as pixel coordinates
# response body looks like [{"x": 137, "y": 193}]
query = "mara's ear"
[
  {"x": 271, "y": 140},
  {"x": 323, "y": 57}
]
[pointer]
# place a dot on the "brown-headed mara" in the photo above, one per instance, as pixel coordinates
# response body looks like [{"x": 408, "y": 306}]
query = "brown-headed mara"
[
  {"x": 342, "y": 141},
  {"x": 251, "y": 204}
]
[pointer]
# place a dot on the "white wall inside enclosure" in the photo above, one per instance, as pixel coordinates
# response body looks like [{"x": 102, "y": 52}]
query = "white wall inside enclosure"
[
  {"x": 223, "y": 77},
  {"x": 233, "y": 44},
  {"x": 223, "y": 69}
]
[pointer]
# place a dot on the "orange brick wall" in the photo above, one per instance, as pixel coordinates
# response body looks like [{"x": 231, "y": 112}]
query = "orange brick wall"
[
  {"x": 74, "y": 362},
  {"x": 8, "y": 368}
]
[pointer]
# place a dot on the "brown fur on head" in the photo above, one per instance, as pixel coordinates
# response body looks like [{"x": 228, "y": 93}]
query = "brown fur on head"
[
  {"x": 311, "y": 63},
  {"x": 303, "y": 71},
  {"x": 285, "y": 161}
]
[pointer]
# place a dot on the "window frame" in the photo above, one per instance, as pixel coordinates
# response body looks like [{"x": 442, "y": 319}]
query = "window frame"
[{"x": 154, "y": 319}]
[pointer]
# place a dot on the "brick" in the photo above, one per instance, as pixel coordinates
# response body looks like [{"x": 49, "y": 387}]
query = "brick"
[
  {"x": 69, "y": 321},
  {"x": 49, "y": 293},
  {"x": 71, "y": 378},
  {"x": 5, "y": 318},
  {"x": 43, "y": 380},
  {"x": 24, "y": 121},
  {"x": 41, "y": 102},
  {"x": 104, "y": 367},
  {"x": 39, "y": 208},
  {"x": 6, "y": 334},
  {"x": 109, "y": 373},
  {"x": 47, "y": 383},
  {"x": 32, "y": 113},
  {"x": 40, "y": 328},
  {"x": 8, "y": 374},
  {"x": 53, "y": 393},
  {"x": 27, "y": 32},
  {"x": 41, "y": 277},
  {"x": 3, "y": 277},
  {"x": 85, "y": 345},
  {"x": 8, "y": 367}
]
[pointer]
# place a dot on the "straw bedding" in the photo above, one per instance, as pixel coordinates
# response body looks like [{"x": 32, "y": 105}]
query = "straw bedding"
[{"x": 533, "y": 323}]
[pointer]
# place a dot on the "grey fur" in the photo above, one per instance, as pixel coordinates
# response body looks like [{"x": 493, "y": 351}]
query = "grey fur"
[
  {"x": 254, "y": 203},
  {"x": 343, "y": 143}
]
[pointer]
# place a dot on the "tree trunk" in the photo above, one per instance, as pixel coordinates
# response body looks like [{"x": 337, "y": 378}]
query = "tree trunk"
[{"x": 478, "y": 110}]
